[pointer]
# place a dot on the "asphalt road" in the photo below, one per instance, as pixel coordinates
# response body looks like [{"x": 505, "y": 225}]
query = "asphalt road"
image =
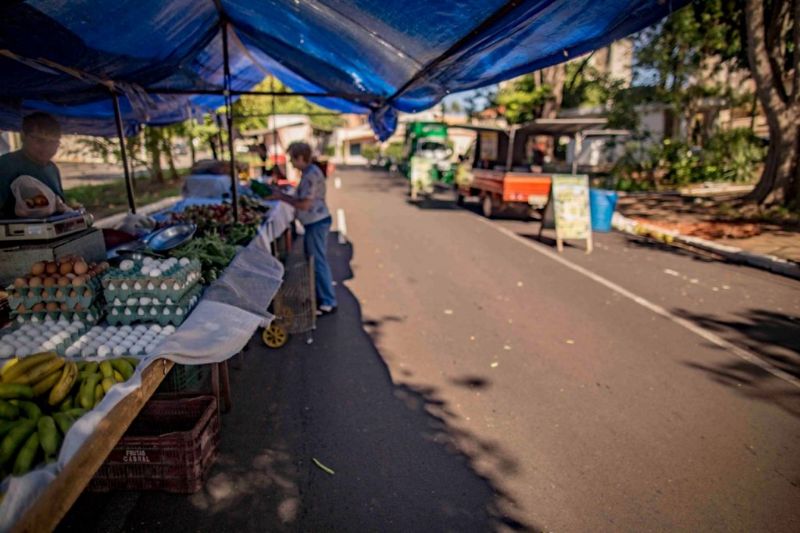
[{"x": 472, "y": 382}]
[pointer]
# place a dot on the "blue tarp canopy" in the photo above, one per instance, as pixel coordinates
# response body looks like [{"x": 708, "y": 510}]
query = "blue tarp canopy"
[{"x": 363, "y": 56}]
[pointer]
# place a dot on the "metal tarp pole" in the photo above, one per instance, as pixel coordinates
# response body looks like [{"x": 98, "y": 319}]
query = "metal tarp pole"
[
  {"x": 123, "y": 153},
  {"x": 229, "y": 117}
]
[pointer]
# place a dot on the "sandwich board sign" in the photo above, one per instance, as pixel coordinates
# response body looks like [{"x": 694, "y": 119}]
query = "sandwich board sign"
[{"x": 567, "y": 210}]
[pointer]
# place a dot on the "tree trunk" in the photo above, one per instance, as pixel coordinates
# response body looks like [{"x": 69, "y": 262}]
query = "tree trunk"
[
  {"x": 779, "y": 180},
  {"x": 166, "y": 146},
  {"x": 153, "y": 144},
  {"x": 192, "y": 151},
  {"x": 779, "y": 183}
]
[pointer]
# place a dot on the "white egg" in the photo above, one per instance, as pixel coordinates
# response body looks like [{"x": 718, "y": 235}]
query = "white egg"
[
  {"x": 168, "y": 301},
  {"x": 147, "y": 260},
  {"x": 163, "y": 286},
  {"x": 156, "y": 301},
  {"x": 179, "y": 311},
  {"x": 184, "y": 261},
  {"x": 155, "y": 273},
  {"x": 150, "y": 286},
  {"x": 72, "y": 351},
  {"x": 144, "y": 300},
  {"x": 176, "y": 286},
  {"x": 140, "y": 312},
  {"x": 6, "y": 349},
  {"x": 151, "y": 347},
  {"x": 153, "y": 312},
  {"x": 118, "y": 350},
  {"x": 128, "y": 312},
  {"x": 87, "y": 351},
  {"x": 137, "y": 286},
  {"x": 104, "y": 350},
  {"x": 34, "y": 319},
  {"x": 140, "y": 328},
  {"x": 124, "y": 286},
  {"x": 167, "y": 312},
  {"x": 111, "y": 286},
  {"x": 136, "y": 349},
  {"x": 155, "y": 327},
  {"x": 49, "y": 345},
  {"x": 23, "y": 351}
]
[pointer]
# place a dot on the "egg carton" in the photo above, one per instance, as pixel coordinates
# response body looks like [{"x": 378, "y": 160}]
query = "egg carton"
[
  {"x": 174, "y": 283},
  {"x": 162, "y": 314},
  {"x": 89, "y": 316},
  {"x": 47, "y": 335},
  {"x": 29, "y": 296},
  {"x": 101, "y": 342}
]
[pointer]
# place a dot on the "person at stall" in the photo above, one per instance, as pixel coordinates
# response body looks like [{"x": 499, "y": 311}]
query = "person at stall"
[
  {"x": 313, "y": 213},
  {"x": 41, "y": 137}
]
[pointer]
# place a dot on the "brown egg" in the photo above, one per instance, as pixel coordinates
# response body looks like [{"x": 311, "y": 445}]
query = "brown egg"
[
  {"x": 60, "y": 294},
  {"x": 32, "y": 294},
  {"x": 104, "y": 266},
  {"x": 80, "y": 267},
  {"x": 20, "y": 283},
  {"x": 21, "y": 308},
  {"x": 78, "y": 307},
  {"x": 73, "y": 293},
  {"x": 65, "y": 268},
  {"x": 52, "y": 306},
  {"x": 38, "y": 307},
  {"x": 35, "y": 282},
  {"x": 79, "y": 280},
  {"x": 63, "y": 281},
  {"x": 37, "y": 269},
  {"x": 49, "y": 282},
  {"x": 51, "y": 267},
  {"x": 87, "y": 293},
  {"x": 64, "y": 306}
]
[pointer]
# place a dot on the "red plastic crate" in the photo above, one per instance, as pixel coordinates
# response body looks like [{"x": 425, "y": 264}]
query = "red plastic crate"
[{"x": 171, "y": 446}]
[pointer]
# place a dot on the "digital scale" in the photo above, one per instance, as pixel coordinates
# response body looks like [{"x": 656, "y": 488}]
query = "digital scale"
[{"x": 44, "y": 229}]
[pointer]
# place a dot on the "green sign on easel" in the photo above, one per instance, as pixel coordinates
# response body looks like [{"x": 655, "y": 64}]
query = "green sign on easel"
[{"x": 567, "y": 210}]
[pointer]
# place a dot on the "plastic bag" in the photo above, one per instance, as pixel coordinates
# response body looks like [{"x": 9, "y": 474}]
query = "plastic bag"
[{"x": 34, "y": 199}]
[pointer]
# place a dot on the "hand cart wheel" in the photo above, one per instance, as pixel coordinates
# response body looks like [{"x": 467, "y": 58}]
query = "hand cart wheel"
[{"x": 275, "y": 336}]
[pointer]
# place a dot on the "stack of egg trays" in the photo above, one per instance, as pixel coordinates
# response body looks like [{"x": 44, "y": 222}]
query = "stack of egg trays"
[
  {"x": 121, "y": 285},
  {"x": 88, "y": 316},
  {"x": 162, "y": 314},
  {"x": 88, "y": 293},
  {"x": 62, "y": 346}
]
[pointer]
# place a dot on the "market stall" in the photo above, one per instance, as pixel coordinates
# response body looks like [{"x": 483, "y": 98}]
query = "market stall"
[{"x": 158, "y": 312}]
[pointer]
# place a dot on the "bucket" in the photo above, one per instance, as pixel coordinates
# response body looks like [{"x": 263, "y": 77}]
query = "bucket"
[{"x": 602, "y": 204}]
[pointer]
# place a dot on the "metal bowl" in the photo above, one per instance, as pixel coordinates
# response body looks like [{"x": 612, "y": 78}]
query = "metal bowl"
[{"x": 170, "y": 237}]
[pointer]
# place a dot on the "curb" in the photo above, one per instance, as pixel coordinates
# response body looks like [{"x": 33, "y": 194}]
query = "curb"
[
  {"x": 736, "y": 255},
  {"x": 113, "y": 220}
]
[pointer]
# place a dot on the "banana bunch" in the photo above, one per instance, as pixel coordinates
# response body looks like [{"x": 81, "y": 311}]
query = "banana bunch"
[{"x": 64, "y": 389}]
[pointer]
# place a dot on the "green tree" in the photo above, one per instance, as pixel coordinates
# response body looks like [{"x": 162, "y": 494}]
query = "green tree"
[
  {"x": 253, "y": 111},
  {"x": 532, "y": 96}
]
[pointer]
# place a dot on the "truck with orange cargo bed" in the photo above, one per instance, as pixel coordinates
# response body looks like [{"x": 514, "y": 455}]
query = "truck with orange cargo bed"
[{"x": 506, "y": 169}]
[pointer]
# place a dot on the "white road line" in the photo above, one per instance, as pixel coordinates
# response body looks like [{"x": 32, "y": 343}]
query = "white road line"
[
  {"x": 337, "y": 183},
  {"x": 691, "y": 326},
  {"x": 341, "y": 224}
]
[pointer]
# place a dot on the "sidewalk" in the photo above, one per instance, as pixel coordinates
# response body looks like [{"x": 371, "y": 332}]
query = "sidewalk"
[{"x": 708, "y": 224}]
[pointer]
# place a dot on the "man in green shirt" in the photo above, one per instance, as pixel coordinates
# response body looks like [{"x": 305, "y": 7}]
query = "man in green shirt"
[{"x": 41, "y": 137}]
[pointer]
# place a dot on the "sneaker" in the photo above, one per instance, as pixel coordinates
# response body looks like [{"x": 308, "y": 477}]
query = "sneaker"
[{"x": 323, "y": 310}]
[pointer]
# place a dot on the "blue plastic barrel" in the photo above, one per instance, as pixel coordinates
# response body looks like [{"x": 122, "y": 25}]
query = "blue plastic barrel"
[{"x": 602, "y": 204}]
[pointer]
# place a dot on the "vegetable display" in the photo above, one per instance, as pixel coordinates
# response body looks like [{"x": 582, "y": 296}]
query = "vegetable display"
[
  {"x": 218, "y": 218},
  {"x": 213, "y": 253},
  {"x": 41, "y": 396}
]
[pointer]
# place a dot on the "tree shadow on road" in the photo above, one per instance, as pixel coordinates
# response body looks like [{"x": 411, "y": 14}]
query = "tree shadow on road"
[{"x": 773, "y": 337}]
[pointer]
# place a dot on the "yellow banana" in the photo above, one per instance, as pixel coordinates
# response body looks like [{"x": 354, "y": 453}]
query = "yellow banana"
[
  {"x": 25, "y": 364},
  {"x": 107, "y": 384},
  {"x": 39, "y": 371},
  {"x": 8, "y": 364},
  {"x": 48, "y": 382},
  {"x": 68, "y": 376}
]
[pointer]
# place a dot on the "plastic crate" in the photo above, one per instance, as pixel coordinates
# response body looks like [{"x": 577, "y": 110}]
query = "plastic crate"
[
  {"x": 170, "y": 447},
  {"x": 186, "y": 378}
]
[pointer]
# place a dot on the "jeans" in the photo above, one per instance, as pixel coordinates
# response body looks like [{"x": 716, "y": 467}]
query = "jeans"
[{"x": 315, "y": 243}]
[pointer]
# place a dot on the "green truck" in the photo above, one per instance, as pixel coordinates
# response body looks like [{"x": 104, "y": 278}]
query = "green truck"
[{"x": 427, "y": 157}]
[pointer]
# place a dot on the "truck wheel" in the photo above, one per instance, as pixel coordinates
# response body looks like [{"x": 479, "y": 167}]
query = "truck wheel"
[{"x": 487, "y": 206}]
